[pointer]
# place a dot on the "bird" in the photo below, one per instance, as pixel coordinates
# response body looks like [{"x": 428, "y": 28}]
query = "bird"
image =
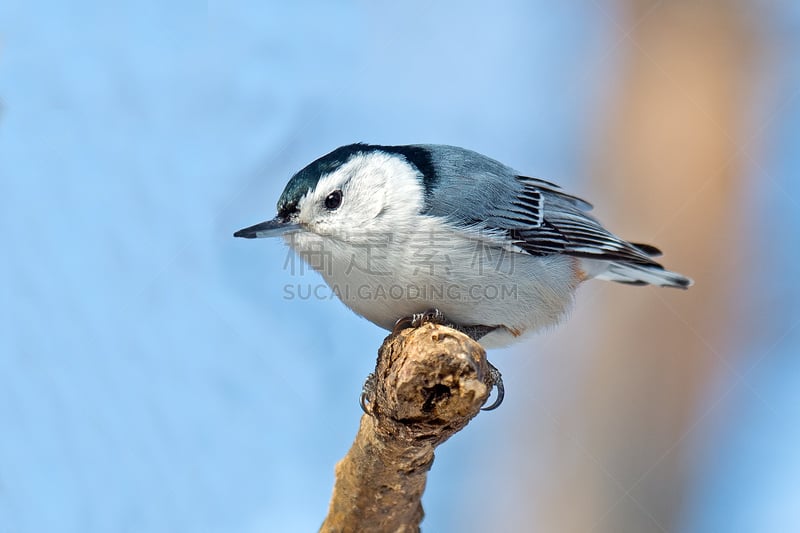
[{"x": 406, "y": 234}]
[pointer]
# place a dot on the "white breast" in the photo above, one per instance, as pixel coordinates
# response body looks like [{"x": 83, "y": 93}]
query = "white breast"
[{"x": 470, "y": 280}]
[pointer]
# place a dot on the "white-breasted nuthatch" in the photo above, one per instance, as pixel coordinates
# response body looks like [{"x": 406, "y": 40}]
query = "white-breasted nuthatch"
[{"x": 398, "y": 231}]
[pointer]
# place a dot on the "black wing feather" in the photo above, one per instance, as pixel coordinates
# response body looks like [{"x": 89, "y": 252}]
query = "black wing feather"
[{"x": 560, "y": 224}]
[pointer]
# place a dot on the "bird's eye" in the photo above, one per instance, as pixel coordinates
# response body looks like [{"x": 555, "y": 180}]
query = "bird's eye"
[{"x": 333, "y": 200}]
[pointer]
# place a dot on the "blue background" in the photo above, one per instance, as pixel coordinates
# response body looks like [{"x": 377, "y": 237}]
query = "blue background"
[{"x": 153, "y": 377}]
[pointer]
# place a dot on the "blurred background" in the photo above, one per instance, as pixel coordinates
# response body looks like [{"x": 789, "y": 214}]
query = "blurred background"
[{"x": 157, "y": 375}]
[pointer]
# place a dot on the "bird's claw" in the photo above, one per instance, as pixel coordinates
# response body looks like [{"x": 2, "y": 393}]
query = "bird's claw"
[
  {"x": 496, "y": 382},
  {"x": 431, "y": 316},
  {"x": 367, "y": 392},
  {"x": 401, "y": 324}
]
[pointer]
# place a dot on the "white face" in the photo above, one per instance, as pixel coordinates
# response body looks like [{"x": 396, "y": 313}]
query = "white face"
[{"x": 372, "y": 194}]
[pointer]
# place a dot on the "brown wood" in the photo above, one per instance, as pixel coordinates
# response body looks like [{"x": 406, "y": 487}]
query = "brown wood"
[{"x": 430, "y": 382}]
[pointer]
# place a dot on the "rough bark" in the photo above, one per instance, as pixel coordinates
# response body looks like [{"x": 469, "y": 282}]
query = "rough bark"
[{"x": 430, "y": 382}]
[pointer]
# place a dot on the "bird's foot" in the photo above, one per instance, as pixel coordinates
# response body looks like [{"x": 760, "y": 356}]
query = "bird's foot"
[
  {"x": 434, "y": 316},
  {"x": 367, "y": 394},
  {"x": 495, "y": 382},
  {"x": 431, "y": 316}
]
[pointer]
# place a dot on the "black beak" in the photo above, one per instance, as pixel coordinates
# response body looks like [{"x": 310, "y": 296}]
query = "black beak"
[{"x": 271, "y": 228}]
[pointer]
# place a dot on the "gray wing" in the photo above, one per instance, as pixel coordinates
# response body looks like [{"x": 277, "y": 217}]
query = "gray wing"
[
  {"x": 535, "y": 215},
  {"x": 566, "y": 227}
]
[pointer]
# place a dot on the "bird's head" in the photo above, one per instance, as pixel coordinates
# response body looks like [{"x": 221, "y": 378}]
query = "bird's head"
[{"x": 352, "y": 193}]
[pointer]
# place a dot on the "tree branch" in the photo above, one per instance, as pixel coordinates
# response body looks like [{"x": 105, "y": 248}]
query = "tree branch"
[{"x": 430, "y": 382}]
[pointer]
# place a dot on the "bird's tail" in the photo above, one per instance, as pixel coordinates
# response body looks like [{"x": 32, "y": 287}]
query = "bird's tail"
[{"x": 641, "y": 274}]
